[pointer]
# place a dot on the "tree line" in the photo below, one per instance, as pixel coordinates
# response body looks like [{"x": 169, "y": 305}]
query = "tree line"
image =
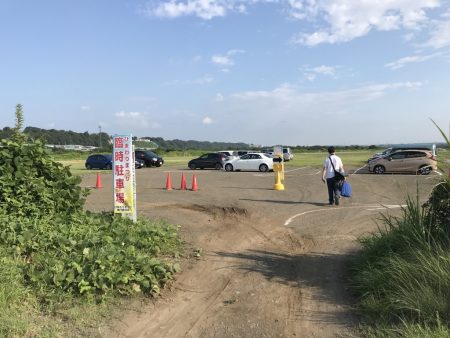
[{"x": 61, "y": 137}]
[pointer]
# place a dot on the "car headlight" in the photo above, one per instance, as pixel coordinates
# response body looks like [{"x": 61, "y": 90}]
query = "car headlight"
[{"x": 154, "y": 159}]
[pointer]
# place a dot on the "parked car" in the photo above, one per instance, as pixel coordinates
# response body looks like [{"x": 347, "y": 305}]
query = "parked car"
[
  {"x": 149, "y": 158},
  {"x": 391, "y": 150},
  {"x": 229, "y": 153},
  {"x": 287, "y": 154},
  {"x": 99, "y": 161},
  {"x": 250, "y": 161},
  {"x": 243, "y": 152},
  {"x": 208, "y": 160},
  {"x": 407, "y": 161},
  {"x": 139, "y": 164}
]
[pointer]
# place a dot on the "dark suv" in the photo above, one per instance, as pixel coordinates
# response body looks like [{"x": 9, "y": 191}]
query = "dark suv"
[
  {"x": 149, "y": 158},
  {"x": 209, "y": 160}
]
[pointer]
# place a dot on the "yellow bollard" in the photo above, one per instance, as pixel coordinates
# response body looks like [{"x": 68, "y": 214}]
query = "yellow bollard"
[{"x": 279, "y": 176}]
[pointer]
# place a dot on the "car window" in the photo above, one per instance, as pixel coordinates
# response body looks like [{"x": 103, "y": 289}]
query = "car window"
[
  {"x": 245, "y": 157},
  {"x": 204, "y": 157},
  {"x": 414, "y": 154},
  {"x": 398, "y": 156},
  {"x": 256, "y": 157}
]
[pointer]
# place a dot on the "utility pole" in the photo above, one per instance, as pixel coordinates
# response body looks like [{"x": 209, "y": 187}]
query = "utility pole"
[{"x": 100, "y": 135}]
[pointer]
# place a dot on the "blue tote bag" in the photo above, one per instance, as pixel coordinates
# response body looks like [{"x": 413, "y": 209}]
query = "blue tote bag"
[{"x": 346, "y": 190}]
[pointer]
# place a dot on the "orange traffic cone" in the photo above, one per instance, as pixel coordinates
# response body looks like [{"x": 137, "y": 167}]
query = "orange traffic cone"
[
  {"x": 194, "y": 183},
  {"x": 98, "y": 185},
  {"x": 183, "y": 182},
  {"x": 168, "y": 182}
]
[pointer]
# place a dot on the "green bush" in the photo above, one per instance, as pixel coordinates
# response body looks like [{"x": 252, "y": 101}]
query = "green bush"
[
  {"x": 91, "y": 254},
  {"x": 32, "y": 184},
  {"x": 64, "y": 250}
]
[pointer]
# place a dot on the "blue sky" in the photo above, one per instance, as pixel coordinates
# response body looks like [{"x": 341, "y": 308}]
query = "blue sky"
[{"x": 292, "y": 72}]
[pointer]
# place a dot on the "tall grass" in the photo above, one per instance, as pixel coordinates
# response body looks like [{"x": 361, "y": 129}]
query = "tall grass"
[{"x": 402, "y": 277}]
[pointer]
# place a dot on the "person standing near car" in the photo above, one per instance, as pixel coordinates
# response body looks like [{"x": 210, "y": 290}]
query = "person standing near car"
[{"x": 331, "y": 164}]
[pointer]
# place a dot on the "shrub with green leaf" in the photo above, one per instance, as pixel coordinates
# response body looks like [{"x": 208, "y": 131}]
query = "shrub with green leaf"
[
  {"x": 64, "y": 250},
  {"x": 32, "y": 184}
]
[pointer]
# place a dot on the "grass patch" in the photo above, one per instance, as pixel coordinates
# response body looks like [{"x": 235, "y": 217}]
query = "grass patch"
[{"x": 402, "y": 275}]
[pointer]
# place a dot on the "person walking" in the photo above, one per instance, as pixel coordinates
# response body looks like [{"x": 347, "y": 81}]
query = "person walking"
[{"x": 332, "y": 164}]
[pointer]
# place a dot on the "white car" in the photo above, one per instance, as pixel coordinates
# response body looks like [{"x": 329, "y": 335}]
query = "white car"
[{"x": 250, "y": 161}]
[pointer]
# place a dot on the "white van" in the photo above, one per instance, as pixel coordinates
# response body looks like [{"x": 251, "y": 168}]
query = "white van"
[{"x": 287, "y": 154}]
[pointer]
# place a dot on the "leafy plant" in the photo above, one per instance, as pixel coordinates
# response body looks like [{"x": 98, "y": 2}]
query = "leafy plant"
[
  {"x": 32, "y": 184},
  {"x": 65, "y": 250}
]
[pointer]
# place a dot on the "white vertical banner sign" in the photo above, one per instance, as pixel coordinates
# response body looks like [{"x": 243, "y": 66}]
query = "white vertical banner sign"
[{"x": 124, "y": 176}]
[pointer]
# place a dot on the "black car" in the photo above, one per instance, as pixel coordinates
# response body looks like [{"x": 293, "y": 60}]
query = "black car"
[
  {"x": 139, "y": 164},
  {"x": 209, "y": 160},
  {"x": 149, "y": 158},
  {"x": 99, "y": 161}
]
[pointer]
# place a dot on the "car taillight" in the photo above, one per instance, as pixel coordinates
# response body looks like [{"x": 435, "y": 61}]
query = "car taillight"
[{"x": 433, "y": 157}]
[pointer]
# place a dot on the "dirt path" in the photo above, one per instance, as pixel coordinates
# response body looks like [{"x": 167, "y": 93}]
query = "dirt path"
[{"x": 273, "y": 263}]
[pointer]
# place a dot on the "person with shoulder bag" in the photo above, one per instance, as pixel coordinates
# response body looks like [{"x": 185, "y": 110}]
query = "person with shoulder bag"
[{"x": 333, "y": 175}]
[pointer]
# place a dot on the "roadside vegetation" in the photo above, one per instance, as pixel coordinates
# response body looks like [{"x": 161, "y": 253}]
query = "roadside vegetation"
[
  {"x": 402, "y": 275},
  {"x": 63, "y": 266}
]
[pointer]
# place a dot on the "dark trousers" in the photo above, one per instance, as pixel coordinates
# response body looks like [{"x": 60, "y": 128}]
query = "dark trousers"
[{"x": 333, "y": 191}]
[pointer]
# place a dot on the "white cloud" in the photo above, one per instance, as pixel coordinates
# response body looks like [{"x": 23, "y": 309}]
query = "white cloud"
[
  {"x": 311, "y": 73},
  {"x": 347, "y": 19},
  {"x": 324, "y": 70},
  {"x": 219, "y": 97},
  {"x": 400, "y": 63},
  {"x": 287, "y": 98},
  {"x": 225, "y": 61},
  {"x": 207, "y": 120},
  {"x": 137, "y": 120},
  {"x": 222, "y": 60},
  {"x": 336, "y": 20},
  {"x": 204, "y": 9},
  {"x": 85, "y": 108},
  {"x": 440, "y": 35}
]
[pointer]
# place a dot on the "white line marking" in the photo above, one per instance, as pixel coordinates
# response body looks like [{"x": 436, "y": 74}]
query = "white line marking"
[
  {"x": 358, "y": 170},
  {"x": 301, "y": 168},
  {"x": 377, "y": 206}
]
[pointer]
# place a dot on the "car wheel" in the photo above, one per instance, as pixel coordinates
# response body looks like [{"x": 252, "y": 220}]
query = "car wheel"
[
  {"x": 108, "y": 167},
  {"x": 228, "y": 167},
  {"x": 192, "y": 166},
  {"x": 88, "y": 167},
  {"x": 158, "y": 165},
  {"x": 218, "y": 166},
  {"x": 424, "y": 170},
  {"x": 379, "y": 169},
  {"x": 263, "y": 167}
]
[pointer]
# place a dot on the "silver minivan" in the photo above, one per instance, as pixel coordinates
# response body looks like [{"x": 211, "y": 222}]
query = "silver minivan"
[{"x": 406, "y": 161}]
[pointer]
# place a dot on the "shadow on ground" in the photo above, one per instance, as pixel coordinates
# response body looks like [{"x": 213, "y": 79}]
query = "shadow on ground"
[{"x": 325, "y": 274}]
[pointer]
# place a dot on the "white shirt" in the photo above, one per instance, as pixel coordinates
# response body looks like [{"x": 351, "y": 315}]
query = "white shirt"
[{"x": 329, "y": 168}]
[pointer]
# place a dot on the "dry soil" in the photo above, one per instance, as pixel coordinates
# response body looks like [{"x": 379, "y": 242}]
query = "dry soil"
[{"x": 272, "y": 263}]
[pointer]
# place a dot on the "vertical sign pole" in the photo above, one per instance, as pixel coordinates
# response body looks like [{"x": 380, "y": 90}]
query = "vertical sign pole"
[{"x": 124, "y": 181}]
